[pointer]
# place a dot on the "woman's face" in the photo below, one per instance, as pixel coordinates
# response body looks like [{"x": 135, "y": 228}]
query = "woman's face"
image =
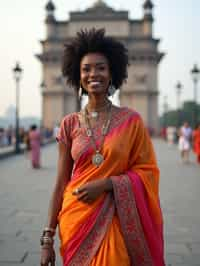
[{"x": 95, "y": 73}]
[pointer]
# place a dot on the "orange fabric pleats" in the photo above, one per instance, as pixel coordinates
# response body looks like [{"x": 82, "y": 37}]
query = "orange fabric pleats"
[{"x": 113, "y": 249}]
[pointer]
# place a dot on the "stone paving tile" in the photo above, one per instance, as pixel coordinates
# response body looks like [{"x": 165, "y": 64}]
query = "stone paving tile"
[
  {"x": 172, "y": 259},
  {"x": 33, "y": 259},
  {"x": 13, "y": 251},
  {"x": 177, "y": 248},
  {"x": 195, "y": 248}
]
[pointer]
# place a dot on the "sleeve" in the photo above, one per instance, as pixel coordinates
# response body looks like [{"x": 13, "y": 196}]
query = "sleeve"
[{"x": 64, "y": 132}]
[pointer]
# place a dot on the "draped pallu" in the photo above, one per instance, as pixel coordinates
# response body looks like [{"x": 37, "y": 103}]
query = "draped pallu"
[{"x": 120, "y": 228}]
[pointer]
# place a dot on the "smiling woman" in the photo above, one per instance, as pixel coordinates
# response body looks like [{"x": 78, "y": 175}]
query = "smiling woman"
[
  {"x": 95, "y": 74},
  {"x": 106, "y": 199}
]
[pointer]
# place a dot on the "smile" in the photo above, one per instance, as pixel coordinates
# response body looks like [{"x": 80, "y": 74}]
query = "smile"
[{"x": 94, "y": 83}]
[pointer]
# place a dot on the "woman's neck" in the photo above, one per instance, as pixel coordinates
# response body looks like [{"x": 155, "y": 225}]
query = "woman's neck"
[{"x": 97, "y": 102}]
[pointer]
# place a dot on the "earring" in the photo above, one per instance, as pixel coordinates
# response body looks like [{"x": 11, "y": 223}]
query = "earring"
[
  {"x": 80, "y": 91},
  {"x": 111, "y": 89}
]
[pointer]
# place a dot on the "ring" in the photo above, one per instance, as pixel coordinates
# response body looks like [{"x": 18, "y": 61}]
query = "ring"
[{"x": 76, "y": 191}]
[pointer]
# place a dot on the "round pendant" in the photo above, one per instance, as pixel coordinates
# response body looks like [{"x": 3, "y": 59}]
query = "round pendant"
[
  {"x": 94, "y": 114},
  {"x": 89, "y": 132},
  {"x": 97, "y": 159}
]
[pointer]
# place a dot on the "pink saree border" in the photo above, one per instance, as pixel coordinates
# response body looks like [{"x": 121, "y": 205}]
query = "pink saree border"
[
  {"x": 153, "y": 231},
  {"x": 136, "y": 244},
  {"x": 91, "y": 243}
]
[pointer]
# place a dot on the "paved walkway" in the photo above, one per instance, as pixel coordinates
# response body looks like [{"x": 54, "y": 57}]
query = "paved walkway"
[{"x": 24, "y": 195}]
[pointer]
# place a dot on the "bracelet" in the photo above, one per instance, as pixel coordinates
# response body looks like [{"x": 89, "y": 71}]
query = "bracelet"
[
  {"x": 50, "y": 230},
  {"x": 46, "y": 240}
]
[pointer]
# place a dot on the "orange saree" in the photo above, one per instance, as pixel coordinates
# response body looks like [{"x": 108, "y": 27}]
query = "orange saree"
[{"x": 120, "y": 228}]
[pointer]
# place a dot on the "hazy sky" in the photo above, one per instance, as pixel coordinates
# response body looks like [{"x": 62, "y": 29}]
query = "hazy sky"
[{"x": 22, "y": 26}]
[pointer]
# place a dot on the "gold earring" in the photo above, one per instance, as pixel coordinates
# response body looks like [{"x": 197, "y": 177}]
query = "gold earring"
[{"x": 80, "y": 91}]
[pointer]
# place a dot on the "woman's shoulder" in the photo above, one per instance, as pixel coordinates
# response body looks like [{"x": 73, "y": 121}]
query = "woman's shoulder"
[
  {"x": 70, "y": 117},
  {"x": 128, "y": 112}
]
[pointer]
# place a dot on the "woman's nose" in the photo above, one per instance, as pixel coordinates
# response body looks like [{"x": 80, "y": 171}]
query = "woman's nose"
[{"x": 93, "y": 72}]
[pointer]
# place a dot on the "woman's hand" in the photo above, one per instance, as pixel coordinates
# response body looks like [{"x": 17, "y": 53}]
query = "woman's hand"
[
  {"x": 48, "y": 256},
  {"x": 90, "y": 191}
]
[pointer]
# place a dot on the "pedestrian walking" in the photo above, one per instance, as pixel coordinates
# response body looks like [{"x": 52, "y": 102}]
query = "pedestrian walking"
[
  {"x": 55, "y": 131},
  {"x": 185, "y": 137},
  {"x": 196, "y": 142},
  {"x": 170, "y": 134},
  {"x": 106, "y": 196},
  {"x": 35, "y": 142}
]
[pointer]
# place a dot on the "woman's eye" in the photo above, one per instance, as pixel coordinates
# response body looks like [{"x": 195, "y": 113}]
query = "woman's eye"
[
  {"x": 85, "y": 69},
  {"x": 101, "y": 68}
]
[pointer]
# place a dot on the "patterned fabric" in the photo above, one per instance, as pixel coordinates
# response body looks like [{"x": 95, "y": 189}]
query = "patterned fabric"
[
  {"x": 130, "y": 222},
  {"x": 130, "y": 232}
]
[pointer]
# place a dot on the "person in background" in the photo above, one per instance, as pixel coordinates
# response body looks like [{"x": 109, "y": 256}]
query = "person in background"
[
  {"x": 170, "y": 134},
  {"x": 9, "y": 134},
  {"x": 55, "y": 131},
  {"x": 185, "y": 138},
  {"x": 35, "y": 143},
  {"x": 106, "y": 196},
  {"x": 196, "y": 142}
]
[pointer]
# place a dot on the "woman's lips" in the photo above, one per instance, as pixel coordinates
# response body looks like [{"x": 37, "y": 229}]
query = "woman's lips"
[{"x": 95, "y": 83}]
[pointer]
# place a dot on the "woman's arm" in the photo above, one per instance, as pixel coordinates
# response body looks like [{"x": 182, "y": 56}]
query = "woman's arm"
[
  {"x": 90, "y": 191},
  {"x": 65, "y": 164}
]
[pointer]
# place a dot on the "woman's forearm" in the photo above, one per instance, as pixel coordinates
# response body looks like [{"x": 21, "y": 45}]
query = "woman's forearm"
[{"x": 108, "y": 186}]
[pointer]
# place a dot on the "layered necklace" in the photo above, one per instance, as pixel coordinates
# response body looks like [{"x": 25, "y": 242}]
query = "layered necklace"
[
  {"x": 95, "y": 113},
  {"x": 97, "y": 158}
]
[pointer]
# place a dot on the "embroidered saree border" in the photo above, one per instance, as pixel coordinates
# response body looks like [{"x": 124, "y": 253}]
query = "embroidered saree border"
[
  {"x": 130, "y": 222},
  {"x": 90, "y": 245}
]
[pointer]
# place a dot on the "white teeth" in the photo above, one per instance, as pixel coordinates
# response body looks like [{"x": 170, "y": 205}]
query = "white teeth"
[{"x": 94, "y": 83}]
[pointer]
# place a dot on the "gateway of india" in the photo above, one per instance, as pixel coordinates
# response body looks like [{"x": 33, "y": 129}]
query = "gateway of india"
[{"x": 141, "y": 90}]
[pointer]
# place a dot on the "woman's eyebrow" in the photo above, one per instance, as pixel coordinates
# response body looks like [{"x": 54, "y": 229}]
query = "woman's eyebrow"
[{"x": 98, "y": 63}]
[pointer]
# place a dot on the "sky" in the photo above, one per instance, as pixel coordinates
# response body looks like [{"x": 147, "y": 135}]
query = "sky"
[{"x": 22, "y": 27}]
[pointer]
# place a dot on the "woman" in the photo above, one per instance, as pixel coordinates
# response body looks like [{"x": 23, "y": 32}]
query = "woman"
[
  {"x": 196, "y": 142},
  {"x": 105, "y": 198},
  {"x": 185, "y": 136},
  {"x": 35, "y": 141}
]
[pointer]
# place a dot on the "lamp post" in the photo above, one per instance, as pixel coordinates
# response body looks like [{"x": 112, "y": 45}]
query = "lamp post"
[
  {"x": 195, "y": 74},
  {"x": 178, "y": 97},
  {"x": 17, "y": 71},
  {"x": 42, "y": 90},
  {"x": 165, "y": 110}
]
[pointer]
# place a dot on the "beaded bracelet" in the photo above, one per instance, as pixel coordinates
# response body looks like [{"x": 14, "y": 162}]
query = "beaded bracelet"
[
  {"x": 46, "y": 240},
  {"x": 50, "y": 230}
]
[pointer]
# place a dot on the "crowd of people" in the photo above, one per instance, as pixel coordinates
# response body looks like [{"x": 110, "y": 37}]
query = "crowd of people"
[
  {"x": 7, "y": 135},
  {"x": 187, "y": 139},
  {"x": 30, "y": 139}
]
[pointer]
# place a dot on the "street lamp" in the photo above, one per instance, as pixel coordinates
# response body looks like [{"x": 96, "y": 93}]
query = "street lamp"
[
  {"x": 178, "y": 96},
  {"x": 195, "y": 74},
  {"x": 165, "y": 110},
  {"x": 17, "y": 71}
]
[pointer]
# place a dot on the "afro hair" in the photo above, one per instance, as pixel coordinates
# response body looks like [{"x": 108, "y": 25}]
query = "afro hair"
[{"x": 94, "y": 41}]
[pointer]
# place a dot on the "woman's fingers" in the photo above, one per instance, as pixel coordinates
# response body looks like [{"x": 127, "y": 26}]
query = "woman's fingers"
[
  {"x": 77, "y": 191},
  {"x": 82, "y": 195}
]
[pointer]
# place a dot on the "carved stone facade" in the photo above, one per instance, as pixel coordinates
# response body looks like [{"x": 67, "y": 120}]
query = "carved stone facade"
[{"x": 141, "y": 90}]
